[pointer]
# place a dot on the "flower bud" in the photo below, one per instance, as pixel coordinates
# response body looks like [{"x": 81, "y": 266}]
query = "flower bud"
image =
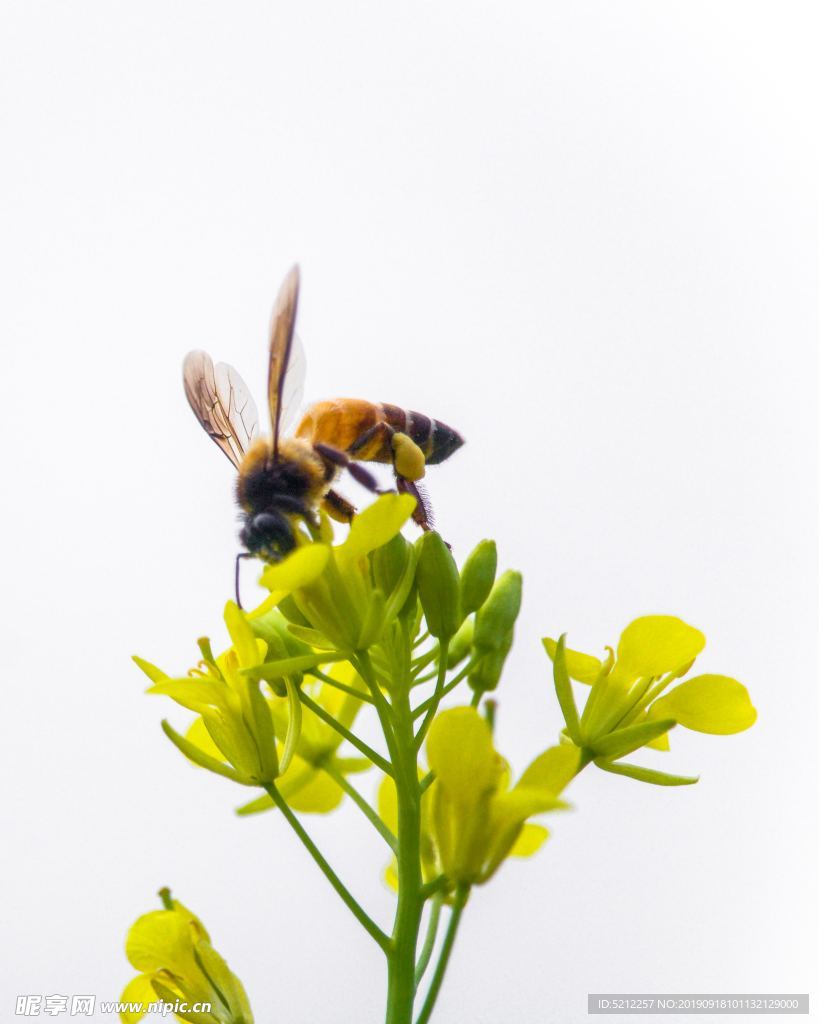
[
  {"x": 495, "y": 620},
  {"x": 478, "y": 575},
  {"x": 461, "y": 644},
  {"x": 486, "y": 674},
  {"x": 389, "y": 562},
  {"x": 439, "y": 587}
]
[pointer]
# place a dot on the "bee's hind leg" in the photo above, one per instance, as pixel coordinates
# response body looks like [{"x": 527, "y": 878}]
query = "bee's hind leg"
[
  {"x": 336, "y": 457},
  {"x": 337, "y": 507},
  {"x": 422, "y": 514}
]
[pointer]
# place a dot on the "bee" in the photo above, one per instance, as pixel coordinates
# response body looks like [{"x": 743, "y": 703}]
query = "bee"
[{"x": 283, "y": 480}]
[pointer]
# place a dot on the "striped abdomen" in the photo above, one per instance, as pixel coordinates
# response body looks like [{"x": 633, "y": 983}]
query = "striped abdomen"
[
  {"x": 353, "y": 425},
  {"x": 435, "y": 439}
]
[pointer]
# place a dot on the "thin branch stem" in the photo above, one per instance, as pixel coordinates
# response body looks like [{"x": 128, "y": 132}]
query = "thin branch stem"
[
  {"x": 429, "y": 941},
  {"x": 342, "y": 730},
  {"x": 461, "y": 895},
  {"x": 369, "y": 812},
  {"x": 351, "y": 690},
  {"x": 450, "y": 686},
  {"x": 436, "y": 696},
  {"x": 358, "y": 911}
]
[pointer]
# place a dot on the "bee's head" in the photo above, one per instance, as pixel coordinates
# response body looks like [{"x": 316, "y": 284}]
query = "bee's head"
[{"x": 268, "y": 535}]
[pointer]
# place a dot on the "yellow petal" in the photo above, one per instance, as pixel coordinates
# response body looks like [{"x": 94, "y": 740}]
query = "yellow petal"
[
  {"x": 582, "y": 667},
  {"x": 391, "y": 875},
  {"x": 297, "y": 570},
  {"x": 376, "y": 525},
  {"x": 530, "y": 840},
  {"x": 656, "y": 644},
  {"x": 319, "y": 795},
  {"x": 200, "y": 737},
  {"x": 161, "y": 939},
  {"x": 553, "y": 770},
  {"x": 709, "y": 703},
  {"x": 249, "y": 649},
  {"x": 460, "y": 752},
  {"x": 138, "y": 990}
]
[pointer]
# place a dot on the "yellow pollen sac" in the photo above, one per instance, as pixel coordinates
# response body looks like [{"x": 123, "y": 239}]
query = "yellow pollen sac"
[{"x": 408, "y": 458}]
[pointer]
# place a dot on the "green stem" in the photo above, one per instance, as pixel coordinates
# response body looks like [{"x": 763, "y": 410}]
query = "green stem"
[
  {"x": 450, "y": 686},
  {"x": 429, "y": 941},
  {"x": 369, "y": 813},
  {"x": 410, "y": 908},
  {"x": 461, "y": 895},
  {"x": 364, "y": 666},
  {"x": 436, "y": 696},
  {"x": 342, "y": 730},
  {"x": 358, "y": 911}
]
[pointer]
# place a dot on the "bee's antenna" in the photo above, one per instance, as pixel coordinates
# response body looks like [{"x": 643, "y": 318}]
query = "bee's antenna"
[{"x": 239, "y": 557}]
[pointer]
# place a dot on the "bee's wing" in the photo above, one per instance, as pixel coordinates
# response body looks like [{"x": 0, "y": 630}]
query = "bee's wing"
[
  {"x": 222, "y": 404},
  {"x": 282, "y": 323},
  {"x": 292, "y": 393}
]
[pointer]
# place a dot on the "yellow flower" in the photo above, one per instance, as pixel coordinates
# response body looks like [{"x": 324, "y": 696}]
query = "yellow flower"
[
  {"x": 476, "y": 820},
  {"x": 234, "y": 712},
  {"x": 332, "y": 587},
  {"x": 172, "y": 951},
  {"x": 626, "y": 709},
  {"x": 309, "y": 784}
]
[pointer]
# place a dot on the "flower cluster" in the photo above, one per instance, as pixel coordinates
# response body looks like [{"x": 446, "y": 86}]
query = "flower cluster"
[{"x": 348, "y": 665}]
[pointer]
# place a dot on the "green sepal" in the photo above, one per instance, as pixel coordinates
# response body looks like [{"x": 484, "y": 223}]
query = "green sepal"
[
  {"x": 632, "y": 737},
  {"x": 261, "y": 803},
  {"x": 282, "y": 641},
  {"x": 193, "y": 753},
  {"x": 439, "y": 586},
  {"x": 494, "y": 621},
  {"x": 156, "y": 675},
  {"x": 565, "y": 694},
  {"x": 290, "y": 666},
  {"x": 402, "y": 591},
  {"x": 478, "y": 575},
  {"x": 374, "y": 619},
  {"x": 310, "y": 639},
  {"x": 291, "y": 611},
  {"x": 389, "y": 562},
  {"x": 650, "y": 775}
]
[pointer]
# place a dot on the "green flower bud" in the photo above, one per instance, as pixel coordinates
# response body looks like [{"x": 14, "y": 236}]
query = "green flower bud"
[
  {"x": 439, "y": 587},
  {"x": 388, "y": 563},
  {"x": 461, "y": 644},
  {"x": 495, "y": 620},
  {"x": 478, "y": 575},
  {"x": 486, "y": 674}
]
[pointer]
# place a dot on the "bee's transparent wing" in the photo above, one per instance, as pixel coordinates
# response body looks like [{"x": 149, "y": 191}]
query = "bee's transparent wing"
[
  {"x": 222, "y": 403},
  {"x": 282, "y": 324},
  {"x": 291, "y": 401}
]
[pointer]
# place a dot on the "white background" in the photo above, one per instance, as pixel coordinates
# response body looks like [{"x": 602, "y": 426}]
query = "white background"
[{"x": 586, "y": 235}]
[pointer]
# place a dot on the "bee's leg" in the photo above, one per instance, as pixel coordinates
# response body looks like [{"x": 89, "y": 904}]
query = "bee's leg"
[
  {"x": 242, "y": 555},
  {"x": 337, "y": 507},
  {"x": 341, "y": 459},
  {"x": 422, "y": 513},
  {"x": 407, "y": 458}
]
